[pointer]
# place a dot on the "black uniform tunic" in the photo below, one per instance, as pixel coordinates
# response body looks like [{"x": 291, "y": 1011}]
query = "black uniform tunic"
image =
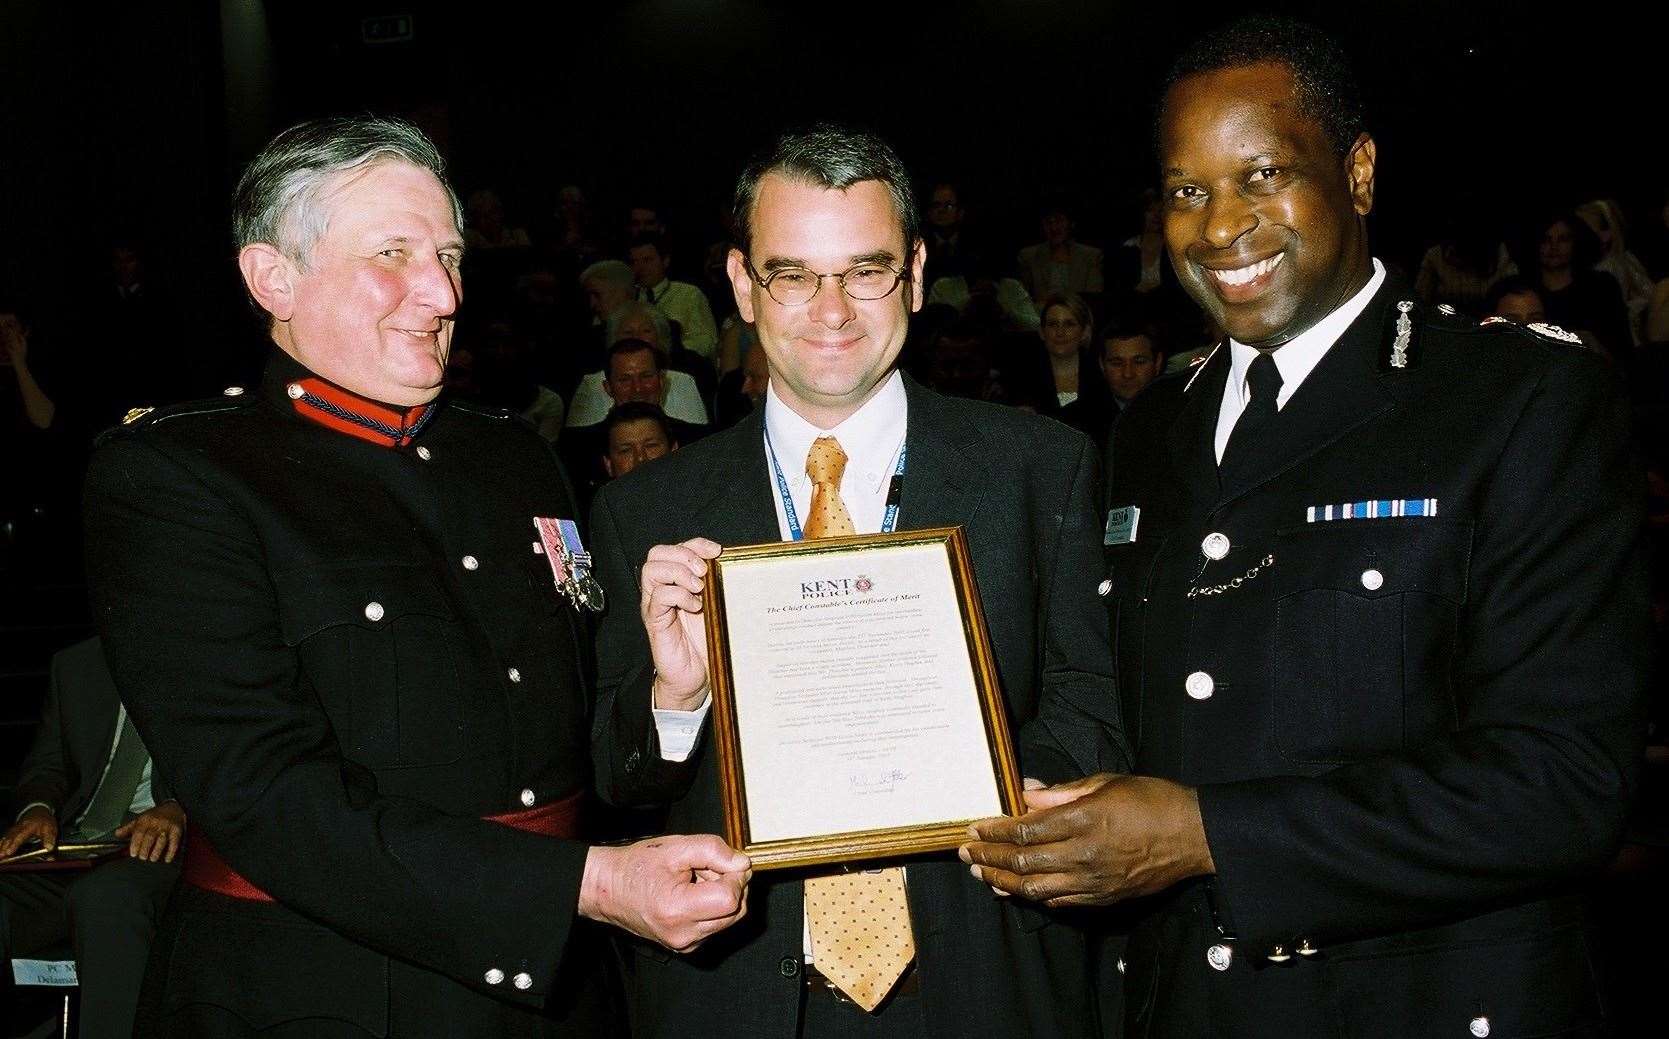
[
  {"x": 343, "y": 653},
  {"x": 1413, "y": 730}
]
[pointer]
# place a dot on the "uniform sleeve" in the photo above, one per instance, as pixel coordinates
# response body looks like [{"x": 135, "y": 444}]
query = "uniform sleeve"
[
  {"x": 625, "y": 746},
  {"x": 1078, "y": 729},
  {"x": 191, "y": 628},
  {"x": 1531, "y": 787}
]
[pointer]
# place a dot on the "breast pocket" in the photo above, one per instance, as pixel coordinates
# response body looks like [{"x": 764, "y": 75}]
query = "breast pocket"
[
  {"x": 382, "y": 647},
  {"x": 1366, "y": 619}
]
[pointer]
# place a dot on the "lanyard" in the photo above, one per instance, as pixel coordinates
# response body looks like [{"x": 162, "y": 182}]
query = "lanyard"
[{"x": 895, "y": 490}]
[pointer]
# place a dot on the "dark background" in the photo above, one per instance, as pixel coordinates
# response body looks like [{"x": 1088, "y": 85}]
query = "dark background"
[{"x": 137, "y": 118}]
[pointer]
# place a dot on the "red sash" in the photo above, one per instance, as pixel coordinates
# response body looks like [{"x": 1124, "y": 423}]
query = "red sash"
[{"x": 203, "y": 867}]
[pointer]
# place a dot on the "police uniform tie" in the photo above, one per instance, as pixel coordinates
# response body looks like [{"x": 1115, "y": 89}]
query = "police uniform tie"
[
  {"x": 1264, "y": 381},
  {"x": 859, "y": 922}
]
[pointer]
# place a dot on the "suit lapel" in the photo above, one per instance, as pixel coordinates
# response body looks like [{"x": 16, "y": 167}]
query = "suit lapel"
[
  {"x": 944, "y": 464},
  {"x": 1340, "y": 394},
  {"x": 740, "y": 506}
]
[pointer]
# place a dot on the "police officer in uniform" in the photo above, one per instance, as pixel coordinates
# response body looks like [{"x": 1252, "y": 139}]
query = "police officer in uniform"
[
  {"x": 1381, "y": 626},
  {"x": 324, "y": 605}
]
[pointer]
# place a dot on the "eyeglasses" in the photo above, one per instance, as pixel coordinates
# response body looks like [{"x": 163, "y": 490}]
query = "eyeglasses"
[{"x": 793, "y": 286}]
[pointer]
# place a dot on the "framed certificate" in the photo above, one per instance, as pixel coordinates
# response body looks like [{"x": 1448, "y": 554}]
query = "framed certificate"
[{"x": 855, "y": 703}]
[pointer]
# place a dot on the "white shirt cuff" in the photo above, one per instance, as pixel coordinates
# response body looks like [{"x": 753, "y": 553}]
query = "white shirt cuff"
[
  {"x": 35, "y": 804},
  {"x": 678, "y": 730}
]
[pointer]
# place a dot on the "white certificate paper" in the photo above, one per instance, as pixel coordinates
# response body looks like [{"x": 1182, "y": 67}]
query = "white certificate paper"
[{"x": 856, "y": 703}]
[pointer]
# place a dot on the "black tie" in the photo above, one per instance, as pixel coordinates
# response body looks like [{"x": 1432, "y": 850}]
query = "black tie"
[{"x": 1263, "y": 379}]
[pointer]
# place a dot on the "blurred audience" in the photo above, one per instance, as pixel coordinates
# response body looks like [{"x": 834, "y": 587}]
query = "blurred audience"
[
  {"x": 678, "y": 300},
  {"x": 1605, "y": 218},
  {"x": 1060, "y": 264},
  {"x": 1558, "y": 255},
  {"x": 633, "y": 433}
]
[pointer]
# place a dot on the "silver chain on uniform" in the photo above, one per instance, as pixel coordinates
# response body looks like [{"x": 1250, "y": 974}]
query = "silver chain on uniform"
[{"x": 1219, "y": 589}]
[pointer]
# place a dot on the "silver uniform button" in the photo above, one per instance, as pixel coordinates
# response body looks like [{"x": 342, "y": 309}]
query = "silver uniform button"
[
  {"x": 294, "y": 390},
  {"x": 1305, "y": 948},
  {"x": 528, "y": 798},
  {"x": 1279, "y": 954},
  {"x": 1479, "y": 1026},
  {"x": 1104, "y": 587},
  {"x": 424, "y": 453},
  {"x": 515, "y": 674},
  {"x": 494, "y": 977},
  {"x": 233, "y": 391},
  {"x": 1215, "y": 546},
  {"x": 1219, "y": 956},
  {"x": 522, "y": 981},
  {"x": 1372, "y": 580},
  {"x": 373, "y": 611},
  {"x": 471, "y": 563},
  {"x": 1200, "y": 685}
]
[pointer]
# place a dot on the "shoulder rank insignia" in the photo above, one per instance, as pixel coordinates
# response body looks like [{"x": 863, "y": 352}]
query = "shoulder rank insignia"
[
  {"x": 1402, "y": 350},
  {"x": 1555, "y": 332},
  {"x": 135, "y": 414}
]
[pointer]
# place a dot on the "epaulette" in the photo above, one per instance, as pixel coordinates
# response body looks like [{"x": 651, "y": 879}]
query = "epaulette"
[
  {"x": 1540, "y": 329},
  {"x": 233, "y": 398}
]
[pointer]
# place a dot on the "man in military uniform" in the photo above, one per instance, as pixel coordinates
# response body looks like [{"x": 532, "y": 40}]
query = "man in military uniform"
[
  {"x": 1381, "y": 629},
  {"x": 323, "y": 603}
]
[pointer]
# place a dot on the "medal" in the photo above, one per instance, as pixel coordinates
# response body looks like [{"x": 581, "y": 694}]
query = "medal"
[{"x": 570, "y": 562}]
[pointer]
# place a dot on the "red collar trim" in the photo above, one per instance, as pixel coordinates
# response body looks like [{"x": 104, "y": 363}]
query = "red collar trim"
[{"x": 335, "y": 408}]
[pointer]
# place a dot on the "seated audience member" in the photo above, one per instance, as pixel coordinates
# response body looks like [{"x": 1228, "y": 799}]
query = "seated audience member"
[
  {"x": 493, "y": 364},
  {"x": 33, "y": 408},
  {"x": 1058, "y": 264},
  {"x": 636, "y": 372},
  {"x": 1139, "y": 266},
  {"x": 979, "y": 278},
  {"x": 644, "y": 219},
  {"x": 635, "y": 432},
  {"x": 1460, "y": 269},
  {"x": 1131, "y": 357},
  {"x": 949, "y": 249},
  {"x": 486, "y": 228},
  {"x": 1516, "y": 300},
  {"x": 1068, "y": 329},
  {"x": 1558, "y": 256},
  {"x": 684, "y": 397},
  {"x": 1605, "y": 218},
  {"x": 678, "y": 300},
  {"x": 608, "y": 285},
  {"x": 743, "y": 390},
  {"x": 574, "y": 234},
  {"x": 88, "y": 779},
  {"x": 961, "y": 360}
]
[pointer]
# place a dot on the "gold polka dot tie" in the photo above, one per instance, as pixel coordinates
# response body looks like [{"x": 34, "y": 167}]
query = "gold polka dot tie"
[
  {"x": 860, "y": 931},
  {"x": 825, "y": 464},
  {"x": 859, "y": 922}
]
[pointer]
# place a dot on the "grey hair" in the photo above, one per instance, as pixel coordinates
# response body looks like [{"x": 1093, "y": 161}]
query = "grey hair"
[
  {"x": 829, "y": 156},
  {"x": 277, "y": 198},
  {"x": 663, "y": 327},
  {"x": 615, "y": 272}
]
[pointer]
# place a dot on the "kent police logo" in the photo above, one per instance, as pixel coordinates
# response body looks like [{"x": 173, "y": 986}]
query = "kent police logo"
[{"x": 863, "y": 584}]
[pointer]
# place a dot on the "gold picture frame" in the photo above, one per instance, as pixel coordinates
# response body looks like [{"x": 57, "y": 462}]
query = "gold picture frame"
[{"x": 731, "y": 706}]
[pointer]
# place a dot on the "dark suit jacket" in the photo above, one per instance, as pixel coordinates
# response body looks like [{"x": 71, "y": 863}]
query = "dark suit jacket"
[
  {"x": 72, "y": 746},
  {"x": 1422, "y": 729},
  {"x": 327, "y": 682},
  {"x": 1024, "y": 489}
]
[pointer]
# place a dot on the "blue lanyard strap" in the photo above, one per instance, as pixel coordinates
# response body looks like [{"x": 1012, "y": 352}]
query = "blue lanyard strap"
[{"x": 895, "y": 491}]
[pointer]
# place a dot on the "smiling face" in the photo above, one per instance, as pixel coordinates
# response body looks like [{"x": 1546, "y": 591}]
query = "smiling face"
[
  {"x": 829, "y": 355},
  {"x": 1263, "y": 219},
  {"x": 373, "y": 309}
]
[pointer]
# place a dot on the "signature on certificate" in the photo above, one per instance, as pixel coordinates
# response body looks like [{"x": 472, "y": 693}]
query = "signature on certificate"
[{"x": 876, "y": 780}]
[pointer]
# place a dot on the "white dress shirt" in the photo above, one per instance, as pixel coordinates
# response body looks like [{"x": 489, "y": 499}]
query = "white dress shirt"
[
  {"x": 872, "y": 437},
  {"x": 1294, "y": 360},
  {"x": 591, "y": 402}
]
